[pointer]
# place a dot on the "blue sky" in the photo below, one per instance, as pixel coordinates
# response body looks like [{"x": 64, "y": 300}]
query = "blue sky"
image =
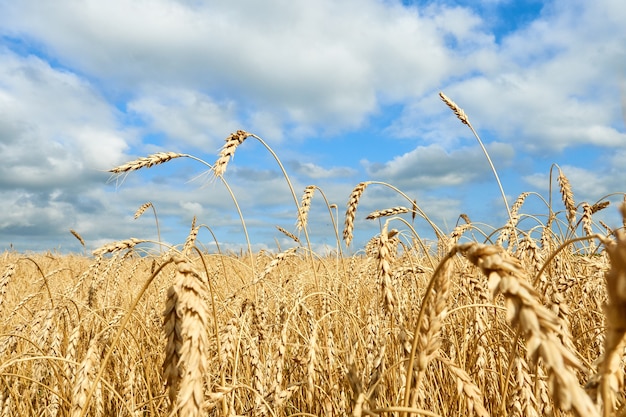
[{"x": 343, "y": 92}]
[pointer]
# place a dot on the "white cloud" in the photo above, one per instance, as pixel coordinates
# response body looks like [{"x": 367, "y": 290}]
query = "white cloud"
[
  {"x": 432, "y": 166},
  {"x": 324, "y": 63},
  {"x": 186, "y": 116},
  {"x": 314, "y": 171},
  {"x": 56, "y": 130},
  {"x": 193, "y": 72}
]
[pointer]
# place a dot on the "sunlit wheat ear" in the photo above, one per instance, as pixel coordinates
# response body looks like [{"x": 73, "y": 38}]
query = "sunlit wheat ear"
[
  {"x": 147, "y": 162},
  {"x": 455, "y": 108},
  {"x": 385, "y": 257},
  {"x": 77, "y": 236},
  {"x": 228, "y": 151},
  {"x": 468, "y": 389},
  {"x": 599, "y": 206},
  {"x": 288, "y": 234},
  {"x": 353, "y": 203},
  {"x": 509, "y": 228},
  {"x": 387, "y": 212},
  {"x": 117, "y": 246},
  {"x": 84, "y": 378},
  {"x": 538, "y": 324},
  {"x": 610, "y": 370},
  {"x": 186, "y": 320},
  {"x": 568, "y": 198},
  {"x": 278, "y": 259},
  {"x": 191, "y": 238},
  {"x": 142, "y": 209},
  {"x": 586, "y": 218},
  {"x": 4, "y": 282},
  {"x": 305, "y": 205},
  {"x": 435, "y": 311}
]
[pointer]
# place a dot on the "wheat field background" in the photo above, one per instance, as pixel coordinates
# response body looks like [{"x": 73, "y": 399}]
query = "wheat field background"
[{"x": 521, "y": 322}]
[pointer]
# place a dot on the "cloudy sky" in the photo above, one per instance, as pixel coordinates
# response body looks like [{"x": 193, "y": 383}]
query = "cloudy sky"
[{"x": 343, "y": 92}]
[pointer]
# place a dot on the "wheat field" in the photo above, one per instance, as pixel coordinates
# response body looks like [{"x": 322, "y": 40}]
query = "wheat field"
[{"x": 523, "y": 322}]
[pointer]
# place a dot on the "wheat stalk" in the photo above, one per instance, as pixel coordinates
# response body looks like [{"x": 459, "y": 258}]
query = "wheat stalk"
[{"x": 465, "y": 120}]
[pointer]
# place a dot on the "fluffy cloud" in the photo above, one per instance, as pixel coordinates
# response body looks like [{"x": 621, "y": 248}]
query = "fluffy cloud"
[
  {"x": 430, "y": 167},
  {"x": 85, "y": 84}
]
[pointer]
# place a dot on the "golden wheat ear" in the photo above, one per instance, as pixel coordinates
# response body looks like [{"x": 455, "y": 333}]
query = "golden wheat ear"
[{"x": 228, "y": 151}]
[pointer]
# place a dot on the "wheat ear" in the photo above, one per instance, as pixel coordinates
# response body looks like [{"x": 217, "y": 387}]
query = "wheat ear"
[
  {"x": 186, "y": 320},
  {"x": 78, "y": 236},
  {"x": 538, "y": 324},
  {"x": 387, "y": 212},
  {"x": 353, "y": 203},
  {"x": 385, "y": 257},
  {"x": 305, "y": 205},
  {"x": 228, "y": 151},
  {"x": 117, "y": 246},
  {"x": 288, "y": 234},
  {"x": 611, "y": 375},
  {"x": 568, "y": 198},
  {"x": 4, "y": 282},
  {"x": 146, "y": 162},
  {"x": 464, "y": 119}
]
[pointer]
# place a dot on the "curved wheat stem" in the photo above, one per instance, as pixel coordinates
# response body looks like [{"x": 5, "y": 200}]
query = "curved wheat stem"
[{"x": 465, "y": 120}]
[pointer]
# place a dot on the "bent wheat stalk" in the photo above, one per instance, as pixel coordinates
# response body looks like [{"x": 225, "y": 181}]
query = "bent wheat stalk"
[{"x": 460, "y": 114}]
